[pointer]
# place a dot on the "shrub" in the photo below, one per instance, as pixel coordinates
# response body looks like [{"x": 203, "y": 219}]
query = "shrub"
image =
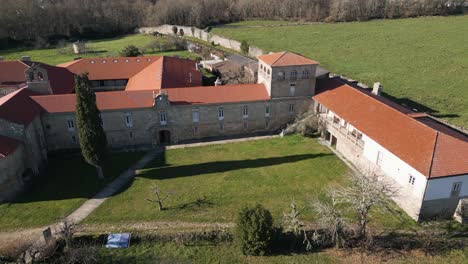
[
  {"x": 254, "y": 231},
  {"x": 130, "y": 51},
  {"x": 181, "y": 32},
  {"x": 174, "y": 30},
  {"x": 245, "y": 47}
]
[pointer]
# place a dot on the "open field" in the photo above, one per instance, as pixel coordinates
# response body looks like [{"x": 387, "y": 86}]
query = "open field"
[
  {"x": 96, "y": 48},
  {"x": 68, "y": 183},
  {"x": 155, "y": 252},
  {"x": 421, "y": 62},
  {"x": 211, "y": 183}
]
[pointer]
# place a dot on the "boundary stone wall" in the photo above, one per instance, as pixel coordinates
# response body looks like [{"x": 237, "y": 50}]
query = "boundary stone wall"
[{"x": 203, "y": 35}]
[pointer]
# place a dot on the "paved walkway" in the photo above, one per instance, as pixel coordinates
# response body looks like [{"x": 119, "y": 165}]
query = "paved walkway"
[{"x": 219, "y": 142}]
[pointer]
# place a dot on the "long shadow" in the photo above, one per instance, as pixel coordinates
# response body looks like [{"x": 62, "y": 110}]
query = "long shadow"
[{"x": 162, "y": 173}]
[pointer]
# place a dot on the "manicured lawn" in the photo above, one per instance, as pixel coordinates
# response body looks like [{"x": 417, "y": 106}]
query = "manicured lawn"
[
  {"x": 225, "y": 177},
  {"x": 421, "y": 62},
  {"x": 68, "y": 182},
  {"x": 96, "y": 48}
]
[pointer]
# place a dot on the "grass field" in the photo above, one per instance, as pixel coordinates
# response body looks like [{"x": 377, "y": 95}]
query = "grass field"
[
  {"x": 154, "y": 252},
  {"x": 68, "y": 182},
  {"x": 210, "y": 184},
  {"x": 421, "y": 62},
  {"x": 96, "y": 48}
]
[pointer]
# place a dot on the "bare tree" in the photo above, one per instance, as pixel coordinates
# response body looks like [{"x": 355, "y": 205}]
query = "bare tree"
[
  {"x": 331, "y": 218},
  {"x": 160, "y": 197},
  {"x": 293, "y": 224},
  {"x": 366, "y": 192},
  {"x": 67, "y": 230}
]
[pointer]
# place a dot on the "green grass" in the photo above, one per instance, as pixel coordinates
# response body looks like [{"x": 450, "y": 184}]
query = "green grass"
[
  {"x": 421, "y": 62},
  {"x": 68, "y": 183},
  {"x": 96, "y": 48},
  {"x": 147, "y": 252},
  {"x": 270, "y": 172}
]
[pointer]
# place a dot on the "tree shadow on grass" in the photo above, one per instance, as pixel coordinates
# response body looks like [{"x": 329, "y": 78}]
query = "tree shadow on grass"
[{"x": 172, "y": 172}]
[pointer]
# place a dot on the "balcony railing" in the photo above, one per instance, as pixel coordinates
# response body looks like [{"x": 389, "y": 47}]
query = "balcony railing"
[{"x": 346, "y": 133}]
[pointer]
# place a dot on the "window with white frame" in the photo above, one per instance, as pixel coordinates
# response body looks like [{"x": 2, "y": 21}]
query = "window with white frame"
[
  {"x": 195, "y": 116},
  {"x": 456, "y": 187},
  {"x": 378, "y": 161},
  {"x": 305, "y": 74},
  {"x": 267, "y": 111},
  {"x": 71, "y": 125},
  {"x": 128, "y": 120},
  {"x": 220, "y": 113},
  {"x": 292, "y": 89},
  {"x": 293, "y": 75},
  {"x": 411, "y": 179},
  {"x": 280, "y": 76},
  {"x": 163, "y": 117},
  {"x": 245, "y": 111},
  {"x": 291, "y": 109}
]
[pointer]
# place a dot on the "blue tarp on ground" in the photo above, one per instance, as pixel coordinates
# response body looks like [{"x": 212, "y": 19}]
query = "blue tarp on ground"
[{"x": 120, "y": 240}]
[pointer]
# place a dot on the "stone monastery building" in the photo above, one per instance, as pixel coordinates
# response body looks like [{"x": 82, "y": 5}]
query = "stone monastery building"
[{"x": 155, "y": 100}]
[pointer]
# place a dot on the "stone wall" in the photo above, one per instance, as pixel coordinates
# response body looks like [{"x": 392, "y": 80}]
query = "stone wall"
[
  {"x": 202, "y": 35},
  {"x": 11, "y": 171},
  {"x": 146, "y": 124}
]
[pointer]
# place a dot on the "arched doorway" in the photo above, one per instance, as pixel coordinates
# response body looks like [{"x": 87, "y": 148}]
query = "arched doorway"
[{"x": 164, "y": 137}]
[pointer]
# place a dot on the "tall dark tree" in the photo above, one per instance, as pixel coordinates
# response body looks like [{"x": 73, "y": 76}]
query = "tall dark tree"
[{"x": 93, "y": 141}]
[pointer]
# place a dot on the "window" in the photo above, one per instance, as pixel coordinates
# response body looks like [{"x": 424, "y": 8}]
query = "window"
[
  {"x": 71, "y": 125},
  {"x": 195, "y": 116},
  {"x": 292, "y": 89},
  {"x": 293, "y": 75},
  {"x": 245, "y": 113},
  {"x": 128, "y": 120},
  {"x": 73, "y": 139},
  {"x": 411, "y": 179},
  {"x": 268, "y": 72},
  {"x": 163, "y": 117},
  {"x": 267, "y": 111},
  {"x": 379, "y": 158},
  {"x": 336, "y": 120},
  {"x": 130, "y": 134},
  {"x": 220, "y": 113},
  {"x": 195, "y": 130},
  {"x": 305, "y": 74},
  {"x": 280, "y": 76},
  {"x": 291, "y": 108},
  {"x": 267, "y": 123},
  {"x": 456, "y": 186}
]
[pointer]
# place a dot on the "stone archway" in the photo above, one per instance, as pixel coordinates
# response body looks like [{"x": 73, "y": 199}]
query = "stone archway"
[{"x": 164, "y": 137}]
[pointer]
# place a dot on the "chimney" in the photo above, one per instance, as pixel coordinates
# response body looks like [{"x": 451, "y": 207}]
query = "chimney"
[
  {"x": 25, "y": 58},
  {"x": 377, "y": 88}
]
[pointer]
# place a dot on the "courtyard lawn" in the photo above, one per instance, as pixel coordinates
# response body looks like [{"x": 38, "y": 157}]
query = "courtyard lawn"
[
  {"x": 68, "y": 183},
  {"x": 211, "y": 183},
  {"x": 97, "y": 48},
  {"x": 421, "y": 62}
]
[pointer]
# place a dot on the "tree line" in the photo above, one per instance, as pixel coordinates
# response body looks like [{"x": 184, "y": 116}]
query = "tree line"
[{"x": 39, "y": 20}]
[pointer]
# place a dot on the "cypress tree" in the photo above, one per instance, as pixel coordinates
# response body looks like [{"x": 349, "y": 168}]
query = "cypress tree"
[{"x": 93, "y": 141}]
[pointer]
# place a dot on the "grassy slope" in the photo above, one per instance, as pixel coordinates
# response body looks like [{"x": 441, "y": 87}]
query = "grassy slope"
[
  {"x": 418, "y": 61},
  {"x": 270, "y": 172},
  {"x": 69, "y": 182},
  {"x": 101, "y": 48}
]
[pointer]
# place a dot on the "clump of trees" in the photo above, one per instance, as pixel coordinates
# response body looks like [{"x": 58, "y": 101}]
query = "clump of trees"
[
  {"x": 131, "y": 51},
  {"x": 42, "y": 22}
]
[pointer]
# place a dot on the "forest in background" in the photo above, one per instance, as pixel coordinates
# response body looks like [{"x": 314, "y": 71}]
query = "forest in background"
[{"x": 43, "y": 22}]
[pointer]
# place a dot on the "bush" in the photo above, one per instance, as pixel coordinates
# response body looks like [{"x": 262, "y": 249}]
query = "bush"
[
  {"x": 254, "y": 231},
  {"x": 245, "y": 47},
  {"x": 181, "y": 32},
  {"x": 174, "y": 30},
  {"x": 130, "y": 51}
]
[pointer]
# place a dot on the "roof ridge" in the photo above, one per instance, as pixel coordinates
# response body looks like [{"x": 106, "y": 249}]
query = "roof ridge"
[
  {"x": 284, "y": 52},
  {"x": 433, "y": 154}
]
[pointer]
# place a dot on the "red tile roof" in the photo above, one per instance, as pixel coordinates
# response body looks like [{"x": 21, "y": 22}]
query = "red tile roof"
[
  {"x": 431, "y": 152},
  {"x": 150, "y": 78},
  {"x": 17, "y": 107},
  {"x": 12, "y": 72},
  {"x": 285, "y": 58},
  {"x": 144, "y": 98},
  {"x": 7, "y": 146},
  {"x": 110, "y": 68}
]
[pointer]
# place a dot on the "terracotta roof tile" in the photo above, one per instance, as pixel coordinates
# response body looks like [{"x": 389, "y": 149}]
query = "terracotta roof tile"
[
  {"x": 7, "y": 146},
  {"x": 110, "y": 68},
  {"x": 17, "y": 107},
  {"x": 407, "y": 138},
  {"x": 144, "y": 98},
  {"x": 12, "y": 72},
  {"x": 285, "y": 58}
]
